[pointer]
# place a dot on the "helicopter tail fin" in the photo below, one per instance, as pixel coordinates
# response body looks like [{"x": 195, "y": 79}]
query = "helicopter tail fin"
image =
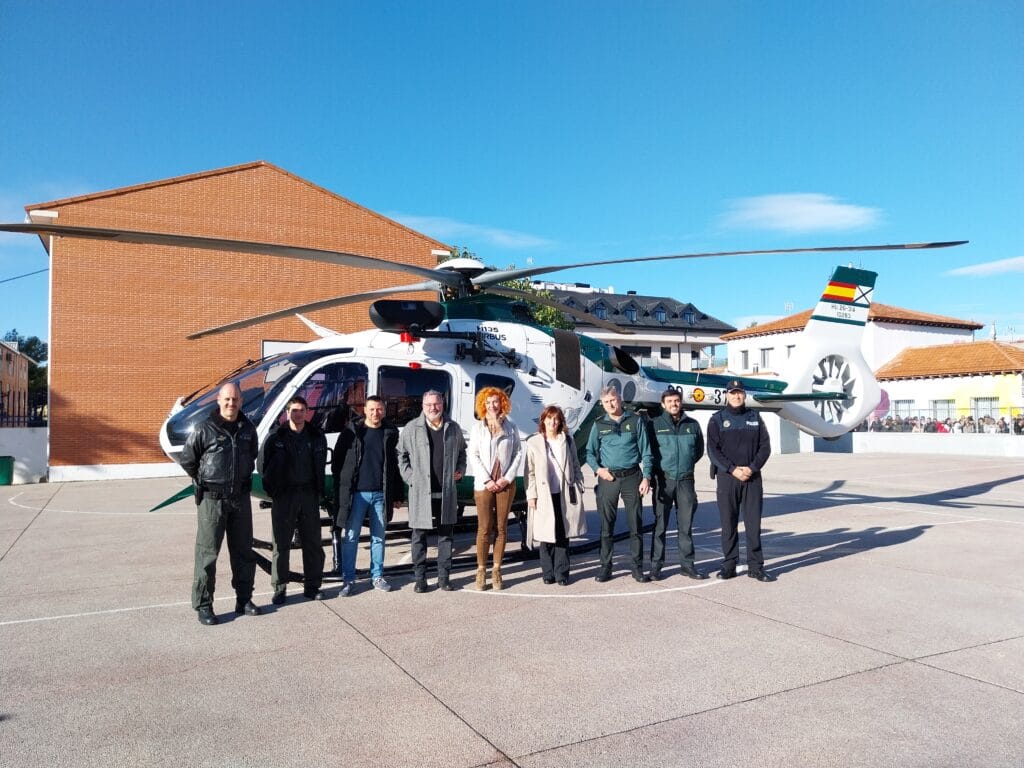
[{"x": 828, "y": 359}]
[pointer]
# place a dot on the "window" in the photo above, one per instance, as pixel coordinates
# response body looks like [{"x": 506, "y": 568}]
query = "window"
[
  {"x": 660, "y": 315},
  {"x": 689, "y": 317},
  {"x": 985, "y": 406},
  {"x": 485, "y": 380},
  {"x": 666, "y": 353},
  {"x": 334, "y": 393},
  {"x": 402, "y": 390},
  {"x": 789, "y": 350},
  {"x": 744, "y": 360},
  {"x": 630, "y": 313},
  {"x": 902, "y": 408},
  {"x": 766, "y": 358},
  {"x": 601, "y": 312},
  {"x": 943, "y": 409}
]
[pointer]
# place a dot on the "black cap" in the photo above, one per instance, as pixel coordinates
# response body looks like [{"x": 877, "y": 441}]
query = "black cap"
[{"x": 734, "y": 385}]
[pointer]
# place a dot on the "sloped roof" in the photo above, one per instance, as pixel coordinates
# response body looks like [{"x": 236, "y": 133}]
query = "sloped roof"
[
  {"x": 964, "y": 359},
  {"x": 616, "y": 305},
  {"x": 885, "y": 313},
  {"x": 220, "y": 172}
]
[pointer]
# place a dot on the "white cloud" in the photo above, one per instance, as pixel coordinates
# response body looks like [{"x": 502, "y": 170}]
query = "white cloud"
[
  {"x": 1014, "y": 264},
  {"x": 461, "y": 233},
  {"x": 807, "y": 212}
]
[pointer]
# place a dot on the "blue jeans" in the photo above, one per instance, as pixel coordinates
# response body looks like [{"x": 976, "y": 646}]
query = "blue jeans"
[{"x": 363, "y": 501}]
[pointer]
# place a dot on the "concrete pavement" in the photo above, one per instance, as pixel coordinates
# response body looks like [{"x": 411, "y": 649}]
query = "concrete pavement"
[{"x": 894, "y": 636}]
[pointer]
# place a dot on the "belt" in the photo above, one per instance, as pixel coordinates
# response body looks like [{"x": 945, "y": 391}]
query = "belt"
[{"x": 624, "y": 472}]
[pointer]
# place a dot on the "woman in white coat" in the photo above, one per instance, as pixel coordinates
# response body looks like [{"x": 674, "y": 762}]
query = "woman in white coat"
[
  {"x": 495, "y": 456},
  {"x": 554, "y": 494}
]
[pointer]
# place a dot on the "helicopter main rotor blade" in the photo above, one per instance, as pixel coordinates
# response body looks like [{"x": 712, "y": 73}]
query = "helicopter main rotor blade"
[
  {"x": 489, "y": 278},
  {"x": 577, "y": 313},
  {"x": 236, "y": 246},
  {"x": 313, "y": 306}
]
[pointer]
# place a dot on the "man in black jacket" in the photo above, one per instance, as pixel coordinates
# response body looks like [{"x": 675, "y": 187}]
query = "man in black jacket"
[
  {"x": 294, "y": 462},
  {"x": 220, "y": 456},
  {"x": 366, "y": 484},
  {"x": 738, "y": 447}
]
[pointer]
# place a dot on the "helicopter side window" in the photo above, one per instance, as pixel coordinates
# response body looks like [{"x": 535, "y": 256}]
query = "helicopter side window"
[
  {"x": 334, "y": 392},
  {"x": 484, "y": 380},
  {"x": 402, "y": 390}
]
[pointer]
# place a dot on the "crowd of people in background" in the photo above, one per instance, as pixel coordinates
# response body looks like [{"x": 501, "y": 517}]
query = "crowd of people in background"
[{"x": 989, "y": 425}]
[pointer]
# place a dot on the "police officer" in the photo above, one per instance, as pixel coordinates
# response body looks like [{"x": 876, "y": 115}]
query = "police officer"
[
  {"x": 678, "y": 444},
  {"x": 294, "y": 462},
  {"x": 738, "y": 447},
  {"x": 620, "y": 454},
  {"x": 220, "y": 456}
]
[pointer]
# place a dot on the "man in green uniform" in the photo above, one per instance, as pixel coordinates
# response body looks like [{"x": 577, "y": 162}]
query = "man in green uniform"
[
  {"x": 620, "y": 454},
  {"x": 220, "y": 456},
  {"x": 678, "y": 444}
]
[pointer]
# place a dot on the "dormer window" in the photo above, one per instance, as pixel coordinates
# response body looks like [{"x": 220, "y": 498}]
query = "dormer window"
[
  {"x": 600, "y": 312},
  {"x": 688, "y": 317},
  {"x": 660, "y": 315},
  {"x": 630, "y": 314}
]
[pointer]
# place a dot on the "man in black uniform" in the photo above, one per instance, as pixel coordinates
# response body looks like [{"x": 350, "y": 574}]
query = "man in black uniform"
[
  {"x": 220, "y": 456},
  {"x": 678, "y": 444},
  {"x": 738, "y": 447},
  {"x": 294, "y": 463}
]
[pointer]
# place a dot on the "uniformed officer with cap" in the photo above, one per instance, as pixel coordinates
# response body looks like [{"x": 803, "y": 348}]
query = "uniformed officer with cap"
[
  {"x": 620, "y": 454},
  {"x": 738, "y": 447}
]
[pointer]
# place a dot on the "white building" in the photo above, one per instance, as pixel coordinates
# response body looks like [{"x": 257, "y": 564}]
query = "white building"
[{"x": 765, "y": 348}]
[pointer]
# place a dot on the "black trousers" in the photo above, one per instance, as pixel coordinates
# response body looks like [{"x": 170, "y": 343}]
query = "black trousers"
[
  {"x": 554, "y": 556},
  {"x": 418, "y": 548},
  {"x": 216, "y": 518},
  {"x": 736, "y": 498},
  {"x": 608, "y": 494},
  {"x": 681, "y": 495},
  {"x": 300, "y": 508}
]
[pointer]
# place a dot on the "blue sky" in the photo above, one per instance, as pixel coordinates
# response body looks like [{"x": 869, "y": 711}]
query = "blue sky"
[{"x": 559, "y": 132}]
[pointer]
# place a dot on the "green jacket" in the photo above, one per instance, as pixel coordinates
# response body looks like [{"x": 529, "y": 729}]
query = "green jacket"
[
  {"x": 620, "y": 444},
  {"x": 677, "y": 447}
]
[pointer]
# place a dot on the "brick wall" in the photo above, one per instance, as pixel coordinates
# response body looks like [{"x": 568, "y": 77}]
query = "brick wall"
[{"x": 120, "y": 312}]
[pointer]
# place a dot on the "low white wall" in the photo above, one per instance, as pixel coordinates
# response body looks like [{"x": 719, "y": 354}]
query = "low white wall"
[
  {"x": 924, "y": 442},
  {"x": 114, "y": 472},
  {"x": 28, "y": 446}
]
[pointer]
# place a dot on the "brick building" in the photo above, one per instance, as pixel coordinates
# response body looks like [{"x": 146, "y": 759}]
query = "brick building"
[
  {"x": 13, "y": 384},
  {"x": 120, "y": 312}
]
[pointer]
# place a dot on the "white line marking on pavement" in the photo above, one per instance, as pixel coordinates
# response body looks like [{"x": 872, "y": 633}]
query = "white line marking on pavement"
[
  {"x": 108, "y": 611},
  {"x": 12, "y": 502}
]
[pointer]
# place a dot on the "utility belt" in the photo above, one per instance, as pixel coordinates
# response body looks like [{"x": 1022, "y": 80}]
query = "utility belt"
[
  {"x": 617, "y": 473},
  {"x": 218, "y": 492}
]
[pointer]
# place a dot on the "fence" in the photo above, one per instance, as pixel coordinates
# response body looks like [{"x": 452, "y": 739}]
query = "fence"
[{"x": 20, "y": 409}]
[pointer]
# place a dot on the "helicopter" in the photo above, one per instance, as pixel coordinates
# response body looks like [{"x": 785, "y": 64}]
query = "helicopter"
[{"x": 480, "y": 333}]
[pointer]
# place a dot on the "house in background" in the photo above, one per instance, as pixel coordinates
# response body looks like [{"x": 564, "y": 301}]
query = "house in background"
[
  {"x": 982, "y": 378},
  {"x": 14, "y": 406},
  {"x": 666, "y": 333},
  {"x": 765, "y": 348}
]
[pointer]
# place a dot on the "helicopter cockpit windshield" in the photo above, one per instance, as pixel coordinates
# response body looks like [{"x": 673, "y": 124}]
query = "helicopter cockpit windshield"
[{"x": 259, "y": 382}]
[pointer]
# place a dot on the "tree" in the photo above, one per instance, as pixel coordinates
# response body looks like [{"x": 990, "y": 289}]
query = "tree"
[
  {"x": 542, "y": 314},
  {"x": 38, "y": 350}
]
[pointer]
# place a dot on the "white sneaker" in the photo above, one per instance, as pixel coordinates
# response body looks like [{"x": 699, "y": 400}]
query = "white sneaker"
[
  {"x": 346, "y": 589},
  {"x": 381, "y": 584}
]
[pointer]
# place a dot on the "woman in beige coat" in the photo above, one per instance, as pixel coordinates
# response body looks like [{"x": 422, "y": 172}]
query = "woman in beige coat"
[{"x": 554, "y": 493}]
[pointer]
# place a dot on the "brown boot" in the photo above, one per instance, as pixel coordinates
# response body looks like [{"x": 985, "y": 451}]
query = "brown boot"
[
  {"x": 481, "y": 579},
  {"x": 496, "y": 577}
]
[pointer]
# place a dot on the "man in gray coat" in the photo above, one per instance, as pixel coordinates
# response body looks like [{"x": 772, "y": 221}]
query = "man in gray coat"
[{"x": 432, "y": 459}]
